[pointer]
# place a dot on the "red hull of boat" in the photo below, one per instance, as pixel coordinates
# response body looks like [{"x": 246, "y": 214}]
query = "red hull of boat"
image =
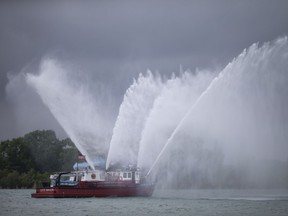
[{"x": 100, "y": 189}]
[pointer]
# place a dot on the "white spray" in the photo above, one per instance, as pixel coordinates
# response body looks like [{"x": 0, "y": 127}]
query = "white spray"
[
  {"x": 133, "y": 112},
  {"x": 81, "y": 115}
]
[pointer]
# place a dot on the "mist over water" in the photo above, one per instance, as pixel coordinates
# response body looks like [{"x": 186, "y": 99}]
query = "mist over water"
[{"x": 196, "y": 129}]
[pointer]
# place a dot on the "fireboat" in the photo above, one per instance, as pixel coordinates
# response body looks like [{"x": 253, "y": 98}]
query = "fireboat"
[{"x": 122, "y": 182}]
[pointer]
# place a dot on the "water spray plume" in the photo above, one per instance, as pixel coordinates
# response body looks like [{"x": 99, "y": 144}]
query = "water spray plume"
[
  {"x": 133, "y": 111},
  {"x": 243, "y": 113},
  {"x": 178, "y": 127},
  {"x": 81, "y": 114},
  {"x": 205, "y": 129},
  {"x": 177, "y": 95}
]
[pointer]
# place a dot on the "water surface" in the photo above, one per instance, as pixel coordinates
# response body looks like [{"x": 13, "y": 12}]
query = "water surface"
[{"x": 163, "y": 202}]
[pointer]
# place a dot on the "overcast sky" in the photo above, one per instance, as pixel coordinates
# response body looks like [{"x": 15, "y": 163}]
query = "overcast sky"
[{"x": 116, "y": 40}]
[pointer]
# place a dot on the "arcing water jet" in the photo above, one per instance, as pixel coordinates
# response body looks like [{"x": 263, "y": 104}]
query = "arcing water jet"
[
  {"x": 194, "y": 128},
  {"x": 133, "y": 112},
  {"x": 243, "y": 113},
  {"x": 81, "y": 114}
]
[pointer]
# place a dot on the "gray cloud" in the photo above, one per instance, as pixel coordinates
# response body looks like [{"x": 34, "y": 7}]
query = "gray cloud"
[{"x": 115, "y": 40}]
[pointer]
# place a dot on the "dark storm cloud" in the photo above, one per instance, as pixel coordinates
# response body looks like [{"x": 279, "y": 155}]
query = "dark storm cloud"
[
  {"x": 139, "y": 29},
  {"x": 115, "y": 40}
]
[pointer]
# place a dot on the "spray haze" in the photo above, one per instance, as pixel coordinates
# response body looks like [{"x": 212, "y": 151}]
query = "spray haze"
[
  {"x": 81, "y": 114},
  {"x": 168, "y": 109},
  {"x": 205, "y": 129},
  {"x": 137, "y": 102},
  {"x": 239, "y": 121}
]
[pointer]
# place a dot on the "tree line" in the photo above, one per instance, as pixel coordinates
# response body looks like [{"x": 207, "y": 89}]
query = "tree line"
[{"x": 26, "y": 161}]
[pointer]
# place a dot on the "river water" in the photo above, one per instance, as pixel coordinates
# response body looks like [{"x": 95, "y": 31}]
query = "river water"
[{"x": 163, "y": 202}]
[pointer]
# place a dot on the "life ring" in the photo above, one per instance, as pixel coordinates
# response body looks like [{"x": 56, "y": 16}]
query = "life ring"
[{"x": 93, "y": 176}]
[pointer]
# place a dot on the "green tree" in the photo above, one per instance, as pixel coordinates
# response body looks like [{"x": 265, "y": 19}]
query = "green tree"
[
  {"x": 68, "y": 155},
  {"x": 46, "y": 150},
  {"x": 28, "y": 179},
  {"x": 27, "y": 161},
  {"x": 12, "y": 179},
  {"x": 15, "y": 155},
  {"x": 3, "y": 180}
]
